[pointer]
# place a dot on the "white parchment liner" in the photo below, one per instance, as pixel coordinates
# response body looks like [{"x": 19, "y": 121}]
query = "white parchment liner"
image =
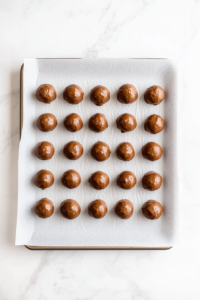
[{"x": 109, "y": 231}]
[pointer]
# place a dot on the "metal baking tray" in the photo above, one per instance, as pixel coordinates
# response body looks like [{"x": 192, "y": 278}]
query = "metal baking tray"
[{"x": 67, "y": 247}]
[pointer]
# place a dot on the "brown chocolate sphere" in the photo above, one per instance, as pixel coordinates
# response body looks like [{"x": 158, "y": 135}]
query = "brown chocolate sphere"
[
  {"x": 126, "y": 122},
  {"x": 99, "y": 95},
  {"x": 73, "y": 150},
  {"x": 154, "y": 124},
  {"x": 44, "y": 179},
  {"x": 100, "y": 151},
  {"x": 73, "y": 94},
  {"x": 97, "y": 209},
  {"x": 126, "y": 180},
  {"x": 152, "y": 209},
  {"x": 71, "y": 179},
  {"x": 154, "y": 95},
  {"x": 44, "y": 150},
  {"x": 70, "y": 209},
  {"x": 99, "y": 180},
  {"x": 44, "y": 208},
  {"x": 46, "y": 122},
  {"x": 151, "y": 181},
  {"x": 124, "y": 209},
  {"x": 127, "y": 94},
  {"x": 46, "y": 93},
  {"x": 125, "y": 151},
  {"x": 73, "y": 122},
  {"x": 152, "y": 151},
  {"x": 98, "y": 123}
]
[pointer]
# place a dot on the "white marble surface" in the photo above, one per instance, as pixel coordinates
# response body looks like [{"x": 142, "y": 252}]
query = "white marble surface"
[{"x": 49, "y": 28}]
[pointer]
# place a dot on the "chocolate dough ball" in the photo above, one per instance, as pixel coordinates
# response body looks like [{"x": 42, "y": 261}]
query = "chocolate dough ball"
[
  {"x": 73, "y": 94},
  {"x": 99, "y": 95},
  {"x": 71, "y": 179},
  {"x": 154, "y": 124},
  {"x": 98, "y": 123},
  {"x": 99, "y": 180},
  {"x": 73, "y": 122},
  {"x": 126, "y": 122},
  {"x": 126, "y": 180},
  {"x": 44, "y": 208},
  {"x": 124, "y": 209},
  {"x": 46, "y": 93},
  {"x": 97, "y": 209},
  {"x": 154, "y": 95},
  {"x": 70, "y": 209},
  {"x": 44, "y": 179},
  {"x": 151, "y": 181},
  {"x": 127, "y": 94},
  {"x": 152, "y": 209},
  {"x": 46, "y": 122},
  {"x": 44, "y": 150},
  {"x": 100, "y": 151},
  {"x": 73, "y": 150},
  {"x": 152, "y": 151},
  {"x": 125, "y": 151}
]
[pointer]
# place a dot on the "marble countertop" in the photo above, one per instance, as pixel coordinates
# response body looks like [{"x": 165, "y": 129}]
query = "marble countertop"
[{"x": 148, "y": 28}]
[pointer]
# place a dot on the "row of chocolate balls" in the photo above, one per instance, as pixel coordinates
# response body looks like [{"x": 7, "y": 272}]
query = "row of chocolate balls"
[
  {"x": 100, "y": 95},
  {"x": 70, "y": 209},
  {"x": 99, "y": 180},
  {"x": 100, "y": 151},
  {"x": 98, "y": 123}
]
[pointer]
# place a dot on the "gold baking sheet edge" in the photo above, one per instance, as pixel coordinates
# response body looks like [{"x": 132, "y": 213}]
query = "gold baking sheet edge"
[{"x": 69, "y": 248}]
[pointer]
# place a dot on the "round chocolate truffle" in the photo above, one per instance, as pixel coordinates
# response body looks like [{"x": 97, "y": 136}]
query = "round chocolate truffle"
[
  {"x": 98, "y": 123},
  {"x": 46, "y": 93},
  {"x": 152, "y": 209},
  {"x": 73, "y": 122},
  {"x": 126, "y": 180},
  {"x": 44, "y": 208},
  {"x": 154, "y": 124},
  {"x": 154, "y": 95},
  {"x": 126, "y": 122},
  {"x": 70, "y": 209},
  {"x": 73, "y": 94},
  {"x": 97, "y": 209},
  {"x": 127, "y": 94},
  {"x": 99, "y": 180},
  {"x": 71, "y": 179},
  {"x": 46, "y": 122},
  {"x": 44, "y": 179},
  {"x": 152, "y": 151},
  {"x": 151, "y": 181},
  {"x": 44, "y": 150},
  {"x": 100, "y": 151},
  {"x": 73, "y": 150},
  {"x": 124, "y": 209},
  {"x": 125, "y": 151},
  {"x": 99, "y": 95}
]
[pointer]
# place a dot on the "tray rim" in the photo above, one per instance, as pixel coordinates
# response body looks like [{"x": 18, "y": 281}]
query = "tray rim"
[{"x": 29, "y": 247}]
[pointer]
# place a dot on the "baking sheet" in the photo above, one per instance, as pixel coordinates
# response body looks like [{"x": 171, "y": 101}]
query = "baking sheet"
[{"x": 109, "y": 231}]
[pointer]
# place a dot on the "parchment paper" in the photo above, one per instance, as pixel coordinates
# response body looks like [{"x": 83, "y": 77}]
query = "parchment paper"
[{"x": 109, "y": 231}]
